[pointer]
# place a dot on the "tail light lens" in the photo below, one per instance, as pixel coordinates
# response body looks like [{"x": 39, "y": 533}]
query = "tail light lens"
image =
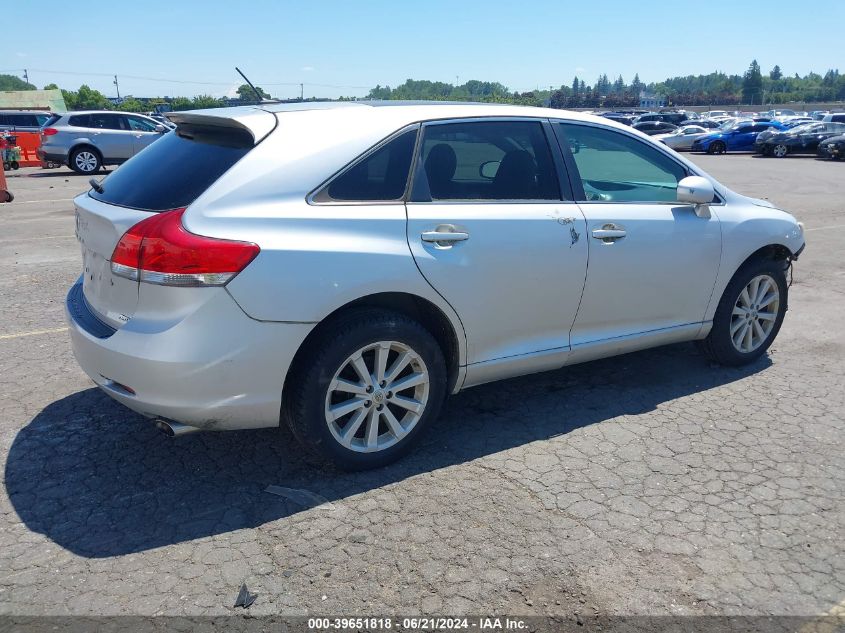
[
  {"x": 49, "y": 131},
  {"x": 159, "y": 250}
]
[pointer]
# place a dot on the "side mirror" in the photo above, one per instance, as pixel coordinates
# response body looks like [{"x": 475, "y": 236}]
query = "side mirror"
[
  {"x": 698, "y": 191},
  {"x": 489, "y": 169},
  {"x": 161, "y": 129}
]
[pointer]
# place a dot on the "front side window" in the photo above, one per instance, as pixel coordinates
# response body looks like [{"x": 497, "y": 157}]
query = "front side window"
[
  {"x": 615, "y": 167},
  {"x": 137, "y": 124},
  {"x": 381, "y": 176},
  {"x": 485, "y": 160}
]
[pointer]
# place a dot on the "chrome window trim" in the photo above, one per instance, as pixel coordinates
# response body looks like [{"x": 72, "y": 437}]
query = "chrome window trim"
[
  {"x": 658, "y": 146},
  {"x": 312, "y": 195}
]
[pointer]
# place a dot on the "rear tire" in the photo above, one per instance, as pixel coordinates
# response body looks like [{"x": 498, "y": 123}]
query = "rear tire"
[
  {"x": 744, "y": 326},
  {"x": 349, "y": 405},
  {"x": 85, "y": 160},
  {"x": 716, "y": 147}
]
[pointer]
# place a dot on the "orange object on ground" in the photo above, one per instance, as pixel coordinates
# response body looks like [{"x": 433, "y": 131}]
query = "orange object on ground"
[
  {"x": 5, "y": 196},
  {"x": 29, "y": 142}
]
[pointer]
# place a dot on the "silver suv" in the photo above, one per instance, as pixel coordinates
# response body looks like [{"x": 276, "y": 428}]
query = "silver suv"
[
  {"x": 342, "y": 267},
  {"x": 85, "y": 141}
]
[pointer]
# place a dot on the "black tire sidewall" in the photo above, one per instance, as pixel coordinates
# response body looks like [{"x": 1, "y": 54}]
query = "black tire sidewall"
[
  {"x": 305, "y": 401},
  {"x": 719, "y": 340}
]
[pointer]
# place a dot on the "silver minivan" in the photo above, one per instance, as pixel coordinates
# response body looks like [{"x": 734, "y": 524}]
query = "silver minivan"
[{"x": 86, "y": 141}]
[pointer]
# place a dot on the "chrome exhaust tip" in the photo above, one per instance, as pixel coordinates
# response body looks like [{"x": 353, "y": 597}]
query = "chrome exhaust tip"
[{"x": 172, "y": 429}]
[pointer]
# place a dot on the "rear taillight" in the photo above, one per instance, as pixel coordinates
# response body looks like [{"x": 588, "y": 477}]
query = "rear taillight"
[
  {"x": 159, "y": 250},
  {"x": 49, "y": 131}
]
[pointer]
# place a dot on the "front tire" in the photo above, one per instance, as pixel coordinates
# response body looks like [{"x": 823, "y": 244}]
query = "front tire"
[
  {"x": 780, "y": 150},
  {"x": 716, "y": 147},
  {"x": 363, "y": 394},
  {"x": 749, "y": 314},
  {"x": 85, "y": 161}
]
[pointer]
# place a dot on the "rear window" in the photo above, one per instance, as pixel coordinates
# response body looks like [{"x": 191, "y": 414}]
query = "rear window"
[
  {"x": 53, "y": 118},
  {"x": 173, "y": 171}
]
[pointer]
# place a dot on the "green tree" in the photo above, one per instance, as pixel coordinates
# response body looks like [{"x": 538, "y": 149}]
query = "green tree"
[
  {"x": 10, "y": 82},
  {"x": 181, "y": 103},
  {"x": 51, "y": 87},
  {"x": 775, "y": 74},
  {"x": 245, "y": 93},
  {"x": 206, "y": 101},
  {"x": 131, "y": 104},
  {"x": 752, "y": 84},
  {"x": 86, "y": 98}
]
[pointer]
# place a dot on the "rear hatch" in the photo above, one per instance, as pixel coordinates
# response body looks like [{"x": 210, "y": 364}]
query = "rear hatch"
[{"x": 170, "y": 174}]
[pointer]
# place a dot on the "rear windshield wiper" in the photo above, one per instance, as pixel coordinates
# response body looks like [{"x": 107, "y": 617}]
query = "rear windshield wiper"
[{"x": 96, "y": 185}]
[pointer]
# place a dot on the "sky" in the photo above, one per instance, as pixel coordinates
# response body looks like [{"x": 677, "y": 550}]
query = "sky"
[{"x": 189, "y": 47}]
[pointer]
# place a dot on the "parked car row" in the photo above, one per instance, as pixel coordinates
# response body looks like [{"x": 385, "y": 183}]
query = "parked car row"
[{"x": 768, "y": 138}]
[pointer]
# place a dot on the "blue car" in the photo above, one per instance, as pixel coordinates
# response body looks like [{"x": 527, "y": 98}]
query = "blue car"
[{"x": 739, "y": 138}]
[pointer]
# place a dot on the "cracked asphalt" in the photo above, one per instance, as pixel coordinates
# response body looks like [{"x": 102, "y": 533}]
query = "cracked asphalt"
[{"x": 653, "y": 483}]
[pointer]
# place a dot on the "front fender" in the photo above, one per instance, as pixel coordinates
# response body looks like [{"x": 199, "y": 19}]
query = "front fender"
[{"x": 746, "y": 232}]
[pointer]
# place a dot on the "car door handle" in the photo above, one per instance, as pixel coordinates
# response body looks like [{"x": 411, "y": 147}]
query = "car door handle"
[
  {"x": 609, "y": 233},
  {"x": 444, "y": 236}
]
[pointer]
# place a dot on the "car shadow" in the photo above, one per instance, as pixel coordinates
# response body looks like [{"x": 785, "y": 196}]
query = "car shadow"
[
  {"x": 101, "y": 481},
  {"x": 65, "y": 172}
]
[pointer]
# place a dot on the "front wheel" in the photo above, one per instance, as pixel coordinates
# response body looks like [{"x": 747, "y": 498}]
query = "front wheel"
[
  {"x": 780, "y": 150},
  {"x": 717, "y": 147},
  {"x": 363, "y": 394},
  {"x": 749, "y": 314}
]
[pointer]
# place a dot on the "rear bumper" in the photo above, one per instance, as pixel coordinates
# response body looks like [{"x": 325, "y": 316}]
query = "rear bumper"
[
  {"x": 215, "y": 368},
  {"x": 50, "y": 156}
]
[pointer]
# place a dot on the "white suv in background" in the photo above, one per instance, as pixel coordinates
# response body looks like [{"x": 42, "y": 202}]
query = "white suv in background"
[{"x": 342, "y": 267}]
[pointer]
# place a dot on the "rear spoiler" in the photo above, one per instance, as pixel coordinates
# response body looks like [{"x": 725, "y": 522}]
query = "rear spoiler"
[{"x": 259, "y": 123}]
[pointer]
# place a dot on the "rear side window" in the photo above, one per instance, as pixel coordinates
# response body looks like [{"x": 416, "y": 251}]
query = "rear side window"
[
  {"x": 51, "y": 120},
  {"x": 173, "y": 171},
  {"x": 381, "y": 176},
  {"x": 486, "y": 160}
]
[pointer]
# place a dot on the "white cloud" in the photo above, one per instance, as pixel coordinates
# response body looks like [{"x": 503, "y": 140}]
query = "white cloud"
[
  {"x": 232, "y": 91},
  {"x": 580, "y": 69},
  {"x": 20, "y": 54},
  {"x": 307, "y": 69}
]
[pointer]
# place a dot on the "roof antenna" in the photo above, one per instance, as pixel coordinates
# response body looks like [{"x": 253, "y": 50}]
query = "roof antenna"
[{"x": 254, "y": 89}]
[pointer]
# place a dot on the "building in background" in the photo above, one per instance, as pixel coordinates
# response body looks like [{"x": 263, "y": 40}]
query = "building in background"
[
  {"x": 650, "y": 101},
  {"x": 47, "y": 100}
]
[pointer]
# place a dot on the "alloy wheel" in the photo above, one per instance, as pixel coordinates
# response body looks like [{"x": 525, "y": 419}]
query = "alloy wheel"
[
  {"x": 85, "y": 161},
  {"x": 377, "y": 396},
  {"x": 780, "y": 150},
  {"x": 754, "y": 314}
]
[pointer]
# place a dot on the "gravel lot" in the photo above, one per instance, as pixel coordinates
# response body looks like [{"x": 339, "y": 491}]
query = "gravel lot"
[{"x": 652, "y": 483}]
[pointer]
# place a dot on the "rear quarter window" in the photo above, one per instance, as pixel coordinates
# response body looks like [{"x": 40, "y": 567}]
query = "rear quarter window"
[{"x": 173, "y": 171}]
